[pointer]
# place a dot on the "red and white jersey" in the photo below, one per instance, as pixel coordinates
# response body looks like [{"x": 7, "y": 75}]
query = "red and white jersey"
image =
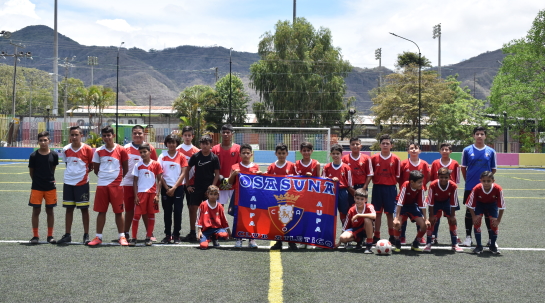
[
  {"x": 342, "y": 172},
  {"x": 110, "y": 171},
  {"x": 409, "y": 196},
  {"x": 211, "y": 217},
  {"x": 368, "y": 208},
  {"x": 188, "y": 151},
  {"x": 172, "y": 166},
  {"x": 360, "y": 167},
  {"x": 287, "y": 169},
  {"x": 250, "y": 168},
  {"x": 407, "y": 166},
  {"x": 302, "y": 169},
  {"x": 386, "y": 169},
  {"x": 227, "y": 157},
  {"x": 453, "y": 168},
  {"x": 77, "y": 164},
  {"x": 438, "y": 194},
  {"x": 494, "y": 195},
  {"x": 147, "y": 176},
  {"x": 134, "y": 157}
]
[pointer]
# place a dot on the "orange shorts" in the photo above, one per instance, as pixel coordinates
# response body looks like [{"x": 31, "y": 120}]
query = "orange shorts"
[
  {"x": 37, "y": 196},
  {"x": 108, "y": 194},
  {"x": 128, "y": 197},
  {"x": 146, "y": 206}
]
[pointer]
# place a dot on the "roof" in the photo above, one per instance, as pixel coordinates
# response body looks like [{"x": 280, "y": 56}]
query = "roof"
[{"x": 126, "y": 110}]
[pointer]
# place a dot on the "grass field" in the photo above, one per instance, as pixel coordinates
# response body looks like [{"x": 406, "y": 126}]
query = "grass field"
[{"x": 183, "y": 273}]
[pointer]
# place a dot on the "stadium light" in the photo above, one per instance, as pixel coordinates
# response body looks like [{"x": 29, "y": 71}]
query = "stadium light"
[
  {"x": 117, "y": 96},
  {"x": 437, "y": 34},
  {"x": 419, "y": 87},
  {"x": 5, "y": 34}
]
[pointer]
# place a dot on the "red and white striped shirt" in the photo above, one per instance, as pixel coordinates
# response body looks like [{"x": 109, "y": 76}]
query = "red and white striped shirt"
[
  {"x": 494, "y": 195},
  {"x": 147, "y": 176}
]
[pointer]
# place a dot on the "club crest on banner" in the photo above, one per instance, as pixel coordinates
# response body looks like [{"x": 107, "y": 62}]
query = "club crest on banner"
[{"x": 285, "y": 216}]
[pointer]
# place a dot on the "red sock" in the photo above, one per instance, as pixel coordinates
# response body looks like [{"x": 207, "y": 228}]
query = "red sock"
[
  {"x": 151, "y": 225},
  {"x": 420, "y": 234},
  {"x": 343, "y": 217},
  {"x": 368, "y": 240},
  {"x": 50, "y": 231},
  {"x": 135, "y": 221},
  {"x": 35, "y": 232},
  {"x": 391, "y": 232},
  {"x": 377, "y": 234},
  {"x": 397, "y": 233}
]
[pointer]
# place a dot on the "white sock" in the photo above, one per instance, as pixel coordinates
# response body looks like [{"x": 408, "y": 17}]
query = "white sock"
[
  {"x": 99, "y": 236},
  {"x": 121, "y": 235}
]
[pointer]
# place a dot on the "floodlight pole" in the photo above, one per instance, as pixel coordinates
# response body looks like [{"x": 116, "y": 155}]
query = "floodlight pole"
[
  {"x": 437, "y": 34},
  {"x": 230, "y": 87},
  {"x": 419, "y": 88},
  {"x": 117, "y": 96}
]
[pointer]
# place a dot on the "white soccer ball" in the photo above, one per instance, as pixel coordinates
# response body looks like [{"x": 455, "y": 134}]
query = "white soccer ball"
[{"x": 383, "y": 247}]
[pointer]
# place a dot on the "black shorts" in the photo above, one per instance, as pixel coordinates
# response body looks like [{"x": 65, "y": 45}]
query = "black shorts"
[
  {"x": 197, "y": 196},
  {"x": 75, "y": 196}
]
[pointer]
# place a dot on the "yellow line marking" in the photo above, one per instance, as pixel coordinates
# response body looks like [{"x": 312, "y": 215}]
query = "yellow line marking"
[
  {"x": 276, "y": 284},
  {"x": 525, "y": 179}
]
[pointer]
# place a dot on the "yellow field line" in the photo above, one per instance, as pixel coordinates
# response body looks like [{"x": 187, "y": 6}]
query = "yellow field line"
[{"x": 276, "y": 283}]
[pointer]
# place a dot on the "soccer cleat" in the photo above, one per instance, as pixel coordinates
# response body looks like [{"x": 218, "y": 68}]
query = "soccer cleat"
[
  {"x": 191, "y": 237},
  {"x": 123, "y": 241},
  {"x": 427, "y": 248},
  {"x": 403, "y": 241},
  {"x": 478, "y": 250},
  {"x": 415, "y": 247},
  {"x": 132, "y": 242},
  {"x": 376, "y": 239},
  {"x": 148, "y": 242},
  {"x": 457, "y": 248},
  {"x": 86, "y": 239},
  {"x": 204, "y": 245},
  {"x": 127, "y": 236},
  {"x": 176, "y": 240},
  {"x": 489, "y": 242},
  {"x": 467, "y": 242},
  {"x": 167, "y": 240},
  {"x": 34, "y": 240},
  {"x": 96, "y": 241},
  {"x": 368, "y": 251},
  {"x": 277, "y": 245},
  {"x": 494, "y": 250},
  {"x": 423, "y": 240},
  {"x": 292, "y": 246},
  {"x": 434, "y": 240},
  {"x": 66, "y": 238},
  {"x": 396, "y": 249},
  {"x": 216, "y": 243},
  {"x": 252, "y": 244},
  {"x": 51, "y": 240},
  {"x": 238, "y": 243},
  {"x": 152, "y": 238}
]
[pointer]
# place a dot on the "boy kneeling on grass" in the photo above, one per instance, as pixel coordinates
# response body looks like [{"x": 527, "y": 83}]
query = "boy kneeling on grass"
[
  {"x": 359, "y": 222},
  {"x": 211, "y": 222}
]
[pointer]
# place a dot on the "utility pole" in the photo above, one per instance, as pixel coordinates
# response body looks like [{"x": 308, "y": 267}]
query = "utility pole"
[
  {"x": 55, "y": 66},
  {"x": 378, "y": 56},
  {"x": 437, "y": 34},
  {"x": 92, "y": 61},
  {"x": 474, "y": 83},
  {"x": 149, "y": 116},
  {"x": 30, "y": 104},
  {"x": 117, "y": 97},
  {"x": 216, "y": 74},
  {"x": 230, "y": 86},
  {"x": 294, "y": 11},
  {"x": 66, "y": 66}
]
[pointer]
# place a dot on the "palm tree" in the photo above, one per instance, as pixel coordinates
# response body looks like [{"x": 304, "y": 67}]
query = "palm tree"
[
  {"x": 191, "y": 99},
  {"x": 97, "y": 97}
]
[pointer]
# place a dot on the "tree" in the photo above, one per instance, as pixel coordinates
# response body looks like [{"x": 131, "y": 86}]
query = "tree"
[
  {"x": 239, "y": 102},
  {"x": 300, "y": 76},
  {"x": 190, "y": 100},
  {"x": 95, "y": 97},
  {"x": 72, "y": 88},
  {"x": 410, "y": 58},
  {"x": 519, "y": 87}
]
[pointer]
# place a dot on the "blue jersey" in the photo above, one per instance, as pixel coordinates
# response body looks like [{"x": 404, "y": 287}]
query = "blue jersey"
[{"x": 476, "y": 161}]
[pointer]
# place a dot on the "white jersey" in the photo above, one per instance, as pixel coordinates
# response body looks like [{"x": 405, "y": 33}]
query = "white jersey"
[
  {"x": 172, "y": 167},
  {"x": 110, "y": 172},
  {"x": 147, "y": 176},
  {"x": 134, "y": 157},
  {"x": 77, "y": 164}
]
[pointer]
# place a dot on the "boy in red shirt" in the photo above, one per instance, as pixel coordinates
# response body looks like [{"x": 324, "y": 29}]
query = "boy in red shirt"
[
  {"x": 359, "y": 222},
  {"x": 229, "y": 154},
  {"x": 360, "y": 167},
  {"x": 386, "y": 167},
  {"x": 211, "y": 222},
  {"x": 148, "y": 176},
  {"x": 340, "y": 172},
  {"x": 307, "y": 166}
]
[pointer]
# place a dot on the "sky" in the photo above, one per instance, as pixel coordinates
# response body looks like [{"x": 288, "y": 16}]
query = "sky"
[{"x": 468, "y": 28}]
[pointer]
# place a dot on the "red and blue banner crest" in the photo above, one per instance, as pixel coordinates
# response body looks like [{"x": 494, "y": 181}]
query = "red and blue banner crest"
[{"x": 286, "y": 208}]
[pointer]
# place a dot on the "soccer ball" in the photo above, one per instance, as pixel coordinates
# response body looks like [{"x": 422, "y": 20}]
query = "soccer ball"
[{"x": 384, "y": 247}]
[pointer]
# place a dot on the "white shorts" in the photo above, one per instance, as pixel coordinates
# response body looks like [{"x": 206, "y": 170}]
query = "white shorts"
[{"x": 225, "y": 196}]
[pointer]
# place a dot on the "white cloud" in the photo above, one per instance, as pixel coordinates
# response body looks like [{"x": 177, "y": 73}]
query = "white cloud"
[
  {"x": 118, "y": 25},
  {"x": 18, "y": 8}
]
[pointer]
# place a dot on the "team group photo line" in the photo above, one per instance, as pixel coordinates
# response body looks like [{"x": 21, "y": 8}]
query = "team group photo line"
[{"x": 297, "y": 203}]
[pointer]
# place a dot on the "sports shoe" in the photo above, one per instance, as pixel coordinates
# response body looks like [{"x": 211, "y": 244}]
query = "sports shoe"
[
  {"x": 427, "y": 248},
  {"x": 34, "y": 240},
  {"x": 167, "y": 240},
  {"x": 123, "y": 241},
  {"x": 66, "y": 238},
  {"x": 292, "y": 246},
  {"x": 152, "y": 238},
  {"x": 238, "y": 243},
  {"x": 204, "y": 245},
  {"x": 176, "y": 240},
  {"x": 434, "y": 240},
  {"x": 358, "y": 246},
  {"x": 216, "y": 243},
  {"x": 277, "y": 245},
  {"x": 148, "y": 242},
  {"x": 415, "y": 247},
  {"x": 191, "y": 237},
  {"x": 403, "y": 241},
  {"x": 392, "y": 239},
  {"x": 494, "y": 250},
  {"x": 252, "y": 244},
  {"x": 467, "y": 242},
  {"x": 478, "y": 250},
  {"x": 458, "y": 240},
  {"x": 127, "y": 236},
  {"x": 51, "y": 240},
  {"x": 96, "y": 241},
  {"x": 132, "y": 242},
  {"x": 376, "y": 239},
  {"x": 368, "y": 251},
  {"x": 457, "y": 248},
  {"x": 86, "y": 239},
  {"x": 396, "y": 249},
  {"x": 423, "y": 240},
  {"x": 489, "y": 242}
]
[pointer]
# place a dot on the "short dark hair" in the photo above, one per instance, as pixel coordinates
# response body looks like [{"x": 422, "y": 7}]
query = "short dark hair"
[
  {"x": 205, "y": 139},
  {"x": 446, "y": 145},
  {"x": 228, "y": 127},
  {"x": 107, "y": 129},
  {"x": 213, "y": 189},
  {"x": 360, "y": 192},
  {"x": 479, "y": 129},
  {"x": 144, "y": 146},
  {"x": 385, "y": 137},
  {"x": 245, "y": 146},
  {"x": 413, "y": 143},
  {"x": 306, "y": 144},
  {"x": 443, "y": 171},
  {"x": 43, "y": 134},
  {"x": 336, "y": 147},
  {"x": 172, "y": 138},
  {"x": 75, "y": 128},
  {"x": 354, "y": 139},
  {"x": 415, "y": 175},
  {"x": 280, "y": 146},
  {"x": 188, "y": 129},
  {"x": 488, "y": 174},
  {"x": 138, "y": 126}
]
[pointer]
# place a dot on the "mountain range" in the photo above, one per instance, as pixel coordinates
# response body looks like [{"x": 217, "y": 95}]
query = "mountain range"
[{"x": 163, "y": 74}]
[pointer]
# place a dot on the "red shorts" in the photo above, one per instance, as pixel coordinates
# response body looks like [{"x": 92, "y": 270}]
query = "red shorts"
[
  {"x": 108, "y": 194},
  {"x": 128, "y": 197},
  {"x": 147, "y": 205}
]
